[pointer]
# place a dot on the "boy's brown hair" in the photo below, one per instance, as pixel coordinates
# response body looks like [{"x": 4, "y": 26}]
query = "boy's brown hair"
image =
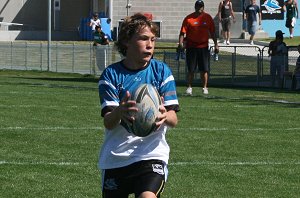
[{"x": 130, "y": 26}]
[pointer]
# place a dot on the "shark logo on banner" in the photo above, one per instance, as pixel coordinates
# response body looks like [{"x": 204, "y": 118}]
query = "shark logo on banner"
[
  {"x": 271, "y": 5},
  {"x": 272, "y": 9}
]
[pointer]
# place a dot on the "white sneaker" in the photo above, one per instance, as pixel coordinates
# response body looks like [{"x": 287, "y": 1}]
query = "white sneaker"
[
  {"x": 224, "y": 42},
  {"x": 189, "y": 91},
  {"x": 251, "y": 43},
  {"x": 228, "y": 42},
  {"x": 205, "y": 91}
]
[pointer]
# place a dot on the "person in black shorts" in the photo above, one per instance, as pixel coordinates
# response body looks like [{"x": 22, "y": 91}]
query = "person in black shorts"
[
  {"x": 225, "y": 14},
  {"x": 131, "y": 164},
  {"x": 197, "y": 52},
  {"x": 291, "y": 9}
]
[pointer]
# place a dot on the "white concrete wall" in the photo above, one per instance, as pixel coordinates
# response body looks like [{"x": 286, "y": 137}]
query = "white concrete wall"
[{"x": 170, "y": 12}]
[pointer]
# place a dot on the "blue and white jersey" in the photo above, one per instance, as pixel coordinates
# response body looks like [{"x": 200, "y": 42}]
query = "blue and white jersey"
[{"x": 121, "y": 148}]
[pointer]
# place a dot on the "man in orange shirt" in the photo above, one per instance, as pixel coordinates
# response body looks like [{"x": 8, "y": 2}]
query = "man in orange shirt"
[{"x": 197, "y": 28}]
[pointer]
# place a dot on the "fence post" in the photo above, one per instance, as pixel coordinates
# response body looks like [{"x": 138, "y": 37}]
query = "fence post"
[
  {"x": 25, "y": 55},
  {"x": 91, "y": 71},
  {"x": 258, "y": 67},
  {"x": 178, "y": 69},
  {"x": 56, "y": 57},
  {"x": 93, "y": 58},
  {"x": 262, "y": 62},
  {"x": 41, "y": 56},
  {"x": 11, "y": 54},
  {"x": 73, "y": 59},
  {"x": 233, "y": 67}
]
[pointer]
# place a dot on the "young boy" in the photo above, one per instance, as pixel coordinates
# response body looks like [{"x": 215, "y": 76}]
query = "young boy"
[{"x": 132, "y": 164}]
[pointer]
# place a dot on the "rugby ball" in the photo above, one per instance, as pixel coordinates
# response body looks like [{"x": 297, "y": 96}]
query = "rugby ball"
[{"x": 147, "y": 101}]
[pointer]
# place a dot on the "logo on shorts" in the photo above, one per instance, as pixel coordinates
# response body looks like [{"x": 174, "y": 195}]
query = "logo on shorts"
[
  {"x": 110, "y": 184},
  {"x": 158, "y": 168}
]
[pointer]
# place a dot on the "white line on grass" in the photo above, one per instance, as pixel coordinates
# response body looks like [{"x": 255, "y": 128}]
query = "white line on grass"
[
  {"x": 41, "y": 93},
  {"x": 84, "y": 106},
  {"x": 232, "y": 163},
  {"x": 48, "y": 106},
  {"x": 177, "y": 129},
  {"x": 51, "y": 128},
  {"x": 220, "y": 106},
  {"x": 42, "y": 163},
  {"x": 253, "y": 99},
  {"x": 195, "y": 163},
  {"x": 238, "y": 129}
]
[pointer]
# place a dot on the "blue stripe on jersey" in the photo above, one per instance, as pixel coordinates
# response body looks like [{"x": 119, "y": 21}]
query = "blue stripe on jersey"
[{"x": 116, "y": 80}]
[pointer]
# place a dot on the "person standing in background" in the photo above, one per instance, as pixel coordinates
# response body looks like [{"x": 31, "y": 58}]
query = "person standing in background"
[
  {"x": 99, "y": 37},
  {"x": 251, "y": 16},
  {"x": 278, "y": 52},
  {"x": 225, "y": 14},
  {"x": 95, "y": 21},
  {"x": 291, "y": 9},
  {"x": 196, "y": 29}
]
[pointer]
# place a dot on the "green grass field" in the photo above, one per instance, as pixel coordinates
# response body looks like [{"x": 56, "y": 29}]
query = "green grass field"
[
  {"x": 290, "y": 42},
  {"x": 235, "y": 142}
]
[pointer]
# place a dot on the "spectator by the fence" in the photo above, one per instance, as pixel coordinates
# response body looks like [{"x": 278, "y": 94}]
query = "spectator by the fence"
[
  {"x": 291, "y": 9},
  {"x": 99, "y": 37},
  {"x": 197, "y": 52},
  {"x": 251, "y": 13},
  {"x": 132, "y": 164},
  {"x": 94, "y": 21},
  {"x": 296, "y": 73},
  {"x": 226, "y": 15},
  {"x": 278, "y": 52}
]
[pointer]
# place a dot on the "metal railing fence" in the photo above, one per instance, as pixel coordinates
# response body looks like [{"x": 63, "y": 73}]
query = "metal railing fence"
[{"x": 245, "y": 65}]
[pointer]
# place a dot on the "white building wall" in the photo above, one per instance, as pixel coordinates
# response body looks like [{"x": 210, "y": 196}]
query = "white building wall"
[{"x": 170, "y": 12}]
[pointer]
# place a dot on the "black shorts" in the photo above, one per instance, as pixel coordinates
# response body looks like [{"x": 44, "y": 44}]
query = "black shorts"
[
  {"x": 197, "y": 57},
  {"x": 290, "y": 22},
  {"x": 136, "y": 178},
  {"x": 226, "y": 24}
]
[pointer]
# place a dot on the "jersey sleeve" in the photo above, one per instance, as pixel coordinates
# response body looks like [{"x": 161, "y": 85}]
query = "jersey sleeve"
[
  {"x": 108, "y": 93},
  {"x": 168, "y": 89}
]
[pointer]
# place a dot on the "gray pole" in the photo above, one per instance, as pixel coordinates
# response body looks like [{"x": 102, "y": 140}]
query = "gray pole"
[
  {"x": 49, "y": 35},
  {"x": 127, "y": 7}
]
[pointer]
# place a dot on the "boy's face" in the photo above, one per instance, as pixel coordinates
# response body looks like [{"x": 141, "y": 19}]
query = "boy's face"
[{"x": 140, "y": 47}]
